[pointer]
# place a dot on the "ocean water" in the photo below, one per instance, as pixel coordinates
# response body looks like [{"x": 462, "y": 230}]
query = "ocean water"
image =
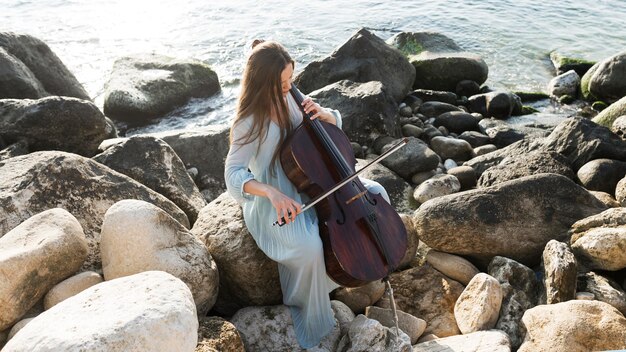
[{"x": 513, "y": 37}]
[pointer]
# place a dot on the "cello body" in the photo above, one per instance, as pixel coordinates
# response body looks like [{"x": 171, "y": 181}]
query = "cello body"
[{"x": 363, "y": 237}]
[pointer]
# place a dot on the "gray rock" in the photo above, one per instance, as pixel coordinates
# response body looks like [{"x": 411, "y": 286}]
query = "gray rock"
[
  {"x": 564, "y": 84},
  {"x": 150, "y": 311},
  {"x": 247, "y": 276},
  {"x": 485, "y": 149},
  {"x": 519, "y": 293},
  {"x": 435, "y": 108},
  {"x": 35, "y": 71},
  {"x": 437, "y": 186},
  {"x": 467, "y": 88},
  {"x": 563, "y": 64},
  {"x": 483, "y": 223},
  {"x": 34, "y": 256},
  {"x": 620, "y": 192},
  {"x": 503, "y": 134},
  {"x": 410, "y": 325},
  {"x": 451, "y": 148},
  {"x": 433, "y": 95},
  {"x": 399, "y": 190},
  {"x": 444, "y": 70},
  {"x": 409, "y": 130},
  {"x": 457, "y": 121},
  {"x": 604, "y": 289},
  {"x": 153, "y": 163},
  {"x": 606, "y": 80},
  {"x": 363, "y": 58},
  {"x": 54, "y": 123},
  {"x": 369, "y": 335},
  {"x": 619, "y": 126},
  {"x": 38, "y": 181},
  {"x": 466, "y": 176},
  {"x": 411, "y": 43},
  {"x": 367, "y": 110},
  {"x": 358, "y": 298},
  {"x": 560, "y": 269},
  {"x": 15, "y": 149},
  {"x": 602, "y": 174},
  {"x": 145, "y": 87},
  {"x": 533, "y": 163},
  {"x": 500, "y": 105},
  {"x": 414, "y": 157}
]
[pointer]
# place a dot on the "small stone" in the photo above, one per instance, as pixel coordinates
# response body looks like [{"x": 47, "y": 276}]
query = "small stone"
[
  {"x": 585, "y": 296},
  {"x": 70, "y": 287}
]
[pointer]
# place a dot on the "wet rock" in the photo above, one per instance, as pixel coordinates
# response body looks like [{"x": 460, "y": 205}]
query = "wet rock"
[
  {"x": 599, "y": 240},
  {"x": 564, "y": 64},
  {"x": 503, "y": 134},
  {"x": 467, "y": 88},
  {"x": 606, "y": 79},
  {"x": 564, "y": 84},
  {"x": 560, "y": 269},
  {"x": 609, "y": 115}
]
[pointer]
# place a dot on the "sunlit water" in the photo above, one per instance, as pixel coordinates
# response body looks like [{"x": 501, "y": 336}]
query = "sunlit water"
[{"x": 513, "y": 37}]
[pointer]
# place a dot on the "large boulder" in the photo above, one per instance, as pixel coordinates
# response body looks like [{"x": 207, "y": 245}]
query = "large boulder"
[
  {"x": 35, "y": 256},
  {"x": 363, "y": 58},
  {"x": 33, "y": 71},
  {"x": 153, "y": 163},
  {"x": 574, "y": 326},
  {"x": 367, "y": 111},
  {"x": 599, "y": 240},
  {"x": 483, "y": 223},
  {"x": 39, "y": 181},
  {"x": 533, "y": 163},
  {"x": 247, "y": 276},
  {"x": 606, "y": 80},
  {"x": 148, "y": 86},
  {"x": 150, "y": 311},
  {"x": 427, "y": 294},
  {"x": 54, "y": 123},
  {"x": 138, "y": 236}
]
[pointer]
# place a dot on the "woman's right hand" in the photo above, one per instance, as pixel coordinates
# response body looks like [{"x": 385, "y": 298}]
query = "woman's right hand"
[{"x": 286, "y": 207}]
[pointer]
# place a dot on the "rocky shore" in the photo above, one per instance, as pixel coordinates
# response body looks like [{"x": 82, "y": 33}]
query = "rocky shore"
[{"x": 114, "y": 243}]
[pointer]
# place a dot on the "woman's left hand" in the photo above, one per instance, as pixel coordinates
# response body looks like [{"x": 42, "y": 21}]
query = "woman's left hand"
[{"x": 318, "y": 112}]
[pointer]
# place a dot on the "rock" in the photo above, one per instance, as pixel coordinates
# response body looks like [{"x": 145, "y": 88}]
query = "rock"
[
  {"x": 451, "y": 148},
  {"x": 15, "y": 149},
  {"x": 409, "y": 130},
  {"x": 150, "y": 311},
  {"x": 433, "y": 95},
  {"x": 457, "y": 121},
  {"x": 603, "y": 289},
  {"x": 369, "y": 335},
  {"x": 599, "y": 240},
  {"x": 444, "y": 70},
  {"x": 499, "y": 105},
  {"x": 412, "y": 242},
  {"x": 153, "y": 163},
  {"x": 433, "y": 109},
  {"x": 270, "y": 328},
  {"x": 247, "y": 276},
  {"x": 35, "y": 256},
  {"x": 414, "y": 157},
  {"x": 478, "y": 307},
  {"x": 606, "y": 198},
  {"x": 428, "y": 337},
  {"x": 467, "y": 88},
  {"x": 491, "y": 340},
  {"x": 609, "y": 115},
  {"x": 438, "y": 186},
  {"x": 367, "y": 110},
  {"x": 38, "y": 181},
  {"x": 138, "y": 236},
  {"x": 485, "y": 149},
  {"x": 217, "y": 334},
  {"x": 564, "y": 84},
  {"x": 399, "y": 190},
  {"x": 363, "y": 58},
  {"x": 34, "y": 71},
  {"x": 483, "y": 223},
  {"x": 449, "y": 164},
  {"x": 427, "y": 294},
  {"x": 410, "y": 325},
  {"x": 560, "y": 270},
  {"x": 602, "y": 174},
  {"x": 343, "y": 314},
  {"x": 358, "y": 298},
  {"x": 430, "y": 132},
  {"x": 533, "y": 163},
  {"x": 70, "y": 287},
  {"x": 619, "y": 126},
  {"x": 452, "y": 266},
  {"x": 620, "y": 192},
  {"x": 503, "y": 134},
  {"x": 420, "y": 177},
  {"x": 54, "y": 123},
  {"x": 466, "y": 176},
  {"x": 18, "y": 326},
  {"x": 574, "y": 326},
  {"x": 564, "y": 64},
  {"x": 519, "y": 292},
  {"x": 606, "y": 79},
  {"x": 145, "y": 87},
  {"x": 412, "y": 43},
  {"x": 585, "y": 296}
]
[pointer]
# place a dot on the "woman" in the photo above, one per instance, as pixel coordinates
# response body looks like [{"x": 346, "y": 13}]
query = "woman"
[{"x": 266, "y": 113}]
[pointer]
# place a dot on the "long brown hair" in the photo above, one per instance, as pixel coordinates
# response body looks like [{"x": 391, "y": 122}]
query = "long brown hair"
[{"x": 261, "y": 93}]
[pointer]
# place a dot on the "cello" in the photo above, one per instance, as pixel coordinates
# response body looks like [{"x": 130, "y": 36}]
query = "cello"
[{"x": 363, "y": 237}]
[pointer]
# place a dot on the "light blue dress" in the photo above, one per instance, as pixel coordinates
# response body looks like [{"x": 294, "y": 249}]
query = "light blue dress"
[{"x": 296, "y": 247}]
